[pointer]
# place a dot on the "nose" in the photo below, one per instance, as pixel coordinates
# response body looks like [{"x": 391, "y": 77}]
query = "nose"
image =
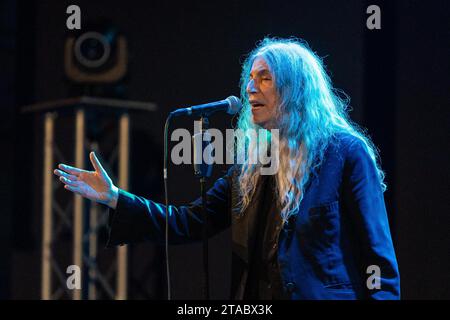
[{"x": 251, "y": 86}]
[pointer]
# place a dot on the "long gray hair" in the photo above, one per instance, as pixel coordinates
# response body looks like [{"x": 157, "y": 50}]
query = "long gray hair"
[{"x": 309, "y": 113}]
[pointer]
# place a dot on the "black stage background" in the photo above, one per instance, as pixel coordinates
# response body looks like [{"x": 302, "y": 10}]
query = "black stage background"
[{"x": 190, "y": 52}]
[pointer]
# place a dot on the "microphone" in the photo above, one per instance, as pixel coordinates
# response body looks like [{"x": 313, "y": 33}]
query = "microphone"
[{"x": 230, "y": 105}]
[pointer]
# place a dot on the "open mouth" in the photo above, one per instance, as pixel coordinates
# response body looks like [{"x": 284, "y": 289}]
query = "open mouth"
[{"x": 256, "y": 104}]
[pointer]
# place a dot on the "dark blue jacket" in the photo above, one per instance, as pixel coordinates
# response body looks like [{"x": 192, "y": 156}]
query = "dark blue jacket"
[{"x": 324, "y": 251}]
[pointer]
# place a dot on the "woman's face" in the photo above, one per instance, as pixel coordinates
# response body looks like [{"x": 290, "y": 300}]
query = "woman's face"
[{"x": 262, "y": 94}]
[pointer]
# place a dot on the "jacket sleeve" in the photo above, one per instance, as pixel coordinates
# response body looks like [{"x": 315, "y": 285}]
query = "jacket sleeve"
[
  {"x": 138, "y": 219},
  {"x": 368, "y": 211}
]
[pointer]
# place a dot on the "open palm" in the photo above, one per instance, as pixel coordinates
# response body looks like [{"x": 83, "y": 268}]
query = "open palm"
[{"x": 94, "y": 185}]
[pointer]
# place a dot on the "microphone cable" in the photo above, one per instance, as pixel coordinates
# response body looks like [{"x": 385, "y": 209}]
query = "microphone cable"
[{"x": 166, "y": 196}]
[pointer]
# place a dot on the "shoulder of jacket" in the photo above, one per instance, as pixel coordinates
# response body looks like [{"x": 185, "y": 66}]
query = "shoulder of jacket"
[{"x": 345, "y": 141}]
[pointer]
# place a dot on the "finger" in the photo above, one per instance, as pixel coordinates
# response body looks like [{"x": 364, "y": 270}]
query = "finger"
[
  {"x": 60, "y": 173},
  {"x": 69, "y": 182},
  {"x": 96, "y": 163},
  {"x": 71, "y": 170},
  {"x": 73, "y": 189}
]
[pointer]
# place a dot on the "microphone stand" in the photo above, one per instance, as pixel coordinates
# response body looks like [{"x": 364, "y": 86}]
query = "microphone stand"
[{"x": 203, "y": 171}]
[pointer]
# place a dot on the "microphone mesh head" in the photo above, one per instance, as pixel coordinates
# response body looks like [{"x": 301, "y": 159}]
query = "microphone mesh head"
[{"x": 234, "y": 105}]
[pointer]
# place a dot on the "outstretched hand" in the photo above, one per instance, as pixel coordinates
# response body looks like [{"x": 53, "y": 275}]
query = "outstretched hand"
[{"x": 93, "y": 185}]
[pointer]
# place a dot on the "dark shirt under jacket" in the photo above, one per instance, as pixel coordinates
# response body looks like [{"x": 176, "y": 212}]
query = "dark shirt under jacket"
[
  {"x": 340, "y": 230},
  {"x": 264, "y": 282}
]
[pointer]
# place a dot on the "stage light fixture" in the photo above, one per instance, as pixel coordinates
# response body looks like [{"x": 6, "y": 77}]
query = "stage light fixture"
[{"x": 97, "y": 56}]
